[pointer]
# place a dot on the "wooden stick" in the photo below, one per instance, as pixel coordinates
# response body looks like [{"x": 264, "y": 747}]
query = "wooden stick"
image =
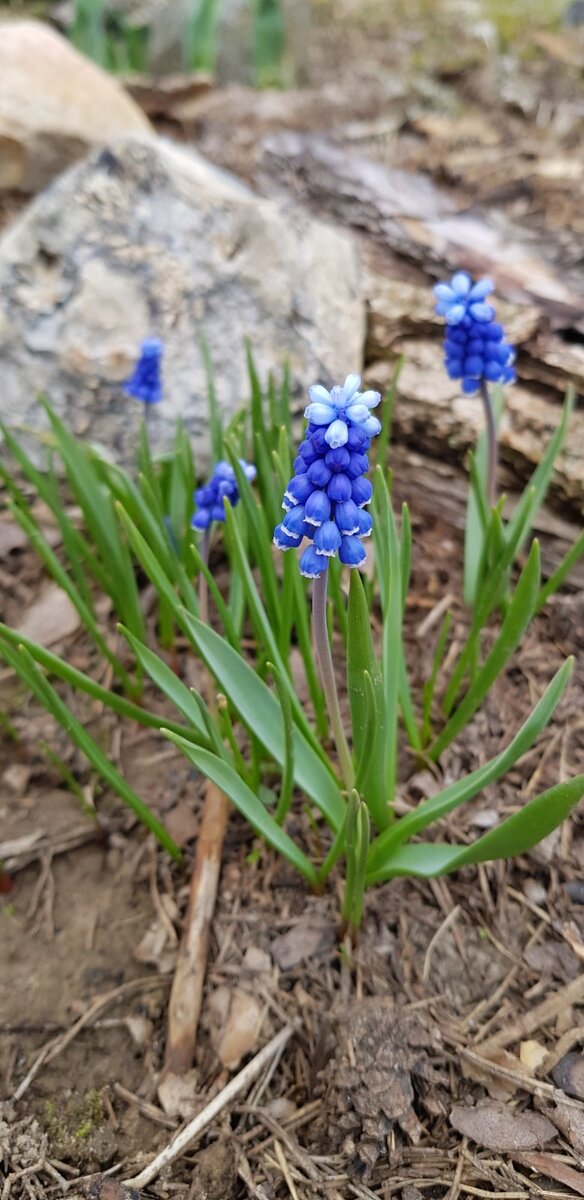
[
  {"x": 238, "y": 1084},
  {"x": 186, "y": 994}
]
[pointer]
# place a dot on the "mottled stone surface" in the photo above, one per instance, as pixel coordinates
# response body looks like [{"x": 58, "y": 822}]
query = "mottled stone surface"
[
  {"x": 54, "y": 105},
  {"x": 145, "y": 239}
]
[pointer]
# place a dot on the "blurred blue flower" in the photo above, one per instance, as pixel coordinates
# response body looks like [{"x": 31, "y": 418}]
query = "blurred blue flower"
[
  {"x": 474, "y": 343},
  {"x": 325, "y": 499},
  {"x": 145, "y": 383},
  {"x": 222, "y": 485}
]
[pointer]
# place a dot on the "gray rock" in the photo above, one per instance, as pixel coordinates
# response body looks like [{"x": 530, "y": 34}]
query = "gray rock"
[{"x": 145, "y": 239}]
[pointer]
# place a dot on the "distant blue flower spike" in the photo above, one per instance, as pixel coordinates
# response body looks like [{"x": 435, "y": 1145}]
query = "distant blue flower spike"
[
  {"x": 324, "y": 501},
  {"x": 145, "y": 383},
  {"x": 474, "y": 343},
  {"x": 223, "y": 486}
]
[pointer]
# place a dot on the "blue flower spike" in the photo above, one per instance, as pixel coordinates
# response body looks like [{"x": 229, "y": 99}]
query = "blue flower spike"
[
  {"x": 223, "y": 485},
  {"x": 145, "y": 382},
  {"x": 325, "y": 500},
  {"x": 475, "y": 349}
]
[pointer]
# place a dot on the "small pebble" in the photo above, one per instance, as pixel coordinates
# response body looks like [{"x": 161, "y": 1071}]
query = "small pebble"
[
  {"x": 535, "y": 892},
  {"x": 575, "y": 890}
]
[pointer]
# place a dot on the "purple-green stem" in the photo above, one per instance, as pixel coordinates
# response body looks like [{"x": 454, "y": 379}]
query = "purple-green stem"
[
  {"x": 204, "y": 549},
  {"x": 492, "y": 449},
  {"x": 327, "y": 677}
]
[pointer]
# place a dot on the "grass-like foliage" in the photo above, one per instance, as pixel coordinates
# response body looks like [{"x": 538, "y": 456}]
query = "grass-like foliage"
[
  {"x": 120, "y": 44},
  {"x": 259, "y": 743}
]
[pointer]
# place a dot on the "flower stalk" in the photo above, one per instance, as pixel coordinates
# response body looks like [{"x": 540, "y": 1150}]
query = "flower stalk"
[
  {"x": 327, "y": 676},
  {"x": 492, "y": 446}
]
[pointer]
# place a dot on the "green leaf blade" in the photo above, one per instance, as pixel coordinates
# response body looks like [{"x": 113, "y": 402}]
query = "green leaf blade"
[
  {"x": 466, "y": 789},
  {"x": 247, "y": 803}
]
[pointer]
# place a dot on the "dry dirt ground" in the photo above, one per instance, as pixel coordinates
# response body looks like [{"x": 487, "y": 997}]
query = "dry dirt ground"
[{"x": 442, "y": 1055}]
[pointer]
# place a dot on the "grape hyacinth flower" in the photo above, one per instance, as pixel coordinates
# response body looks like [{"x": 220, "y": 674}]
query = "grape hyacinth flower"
[
  {"x": 325, "y": 499},
  {"x": 145, "y": 383},
  {"x": 222, "y": 485},
  {"x": 474, "y": 343},
  {"x": 209, "y": 507},
  {"x": 325, "y": 504},
  {"x": 475, "y": 350}
]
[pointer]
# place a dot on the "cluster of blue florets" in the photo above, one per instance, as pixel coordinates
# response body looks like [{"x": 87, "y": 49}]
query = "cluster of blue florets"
[
  {"x": 326, "y": 498},
  {"x": 474, "y": 344},
  {"x": 145, "y": 382},
  {"x": 221, "y": 486}
]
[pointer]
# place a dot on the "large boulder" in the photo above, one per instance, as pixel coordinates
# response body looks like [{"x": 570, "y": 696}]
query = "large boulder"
[
  {"x": 54, "y": 105},
  {"x": 145, "y": 239}
]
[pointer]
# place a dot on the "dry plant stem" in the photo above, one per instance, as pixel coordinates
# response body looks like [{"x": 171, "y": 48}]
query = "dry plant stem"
[
  {"x": 327, "y": 676},
  {"x": 238, "y": 1084},
  {"x": 492, "y": 449},
  {"x": 186, "y": 995}
]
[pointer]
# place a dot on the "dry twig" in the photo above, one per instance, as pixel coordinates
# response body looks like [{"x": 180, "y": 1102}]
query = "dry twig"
[
  {"x": 238, "y": 1084},
  {"x": 186, "y": 996}
]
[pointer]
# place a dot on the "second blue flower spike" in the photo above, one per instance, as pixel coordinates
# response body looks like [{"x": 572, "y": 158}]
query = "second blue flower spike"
[
  {"x": 475, "y": 348},
  {"x": 222, "y": 485},
  {"x": 145, "y": 383}
]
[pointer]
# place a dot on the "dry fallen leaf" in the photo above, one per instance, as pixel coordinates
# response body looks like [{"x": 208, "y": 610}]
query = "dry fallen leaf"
[
  {"x": 241, "y": 1030},
  {"x": 141, "y": 1030},
  {"x": 532, "y": 1054},
  {"x": 554, "y": 1168},
  {"x": 498, "y": 1086},
  {"x": 257, "y": 961},
  {"x": 155, "y": 947},
  {"x": 305, "y": 940},
  {"x": 177, "y": 1094},
  {"x": 570, "y": 1122},
  {"x": 16, "y": 778},
  {"x": 497, "y": 1127},
  {"x": 181, "y": 823},
  {"x": 51, "y": 617}
]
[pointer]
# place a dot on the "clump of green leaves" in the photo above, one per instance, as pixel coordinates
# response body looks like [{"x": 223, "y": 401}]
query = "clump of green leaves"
[{"x": 118, "y": 44}]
